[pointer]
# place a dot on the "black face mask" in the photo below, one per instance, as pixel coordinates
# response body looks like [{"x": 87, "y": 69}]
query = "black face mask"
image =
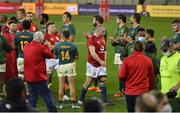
[
  {"x": 94, "y": 24},
  {"x": 164, "y": 50}
]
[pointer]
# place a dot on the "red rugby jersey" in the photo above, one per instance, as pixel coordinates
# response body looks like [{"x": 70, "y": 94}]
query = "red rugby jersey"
[
  {"x": 11, "y": 63},
  {"x": 33, "y": 27},
  {"x": 52, "y": 38},
  {"x": 100, "y": 48}
]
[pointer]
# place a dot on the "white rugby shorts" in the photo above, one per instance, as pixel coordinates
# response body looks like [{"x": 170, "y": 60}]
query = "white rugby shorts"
[
  {"x": 2, "y": 67},
  {"x": 20, "y": 64},
  {"x": 95, "y": 72},
  {"x": 50, "y": 64},
  {"x": 67, "y": 70}
]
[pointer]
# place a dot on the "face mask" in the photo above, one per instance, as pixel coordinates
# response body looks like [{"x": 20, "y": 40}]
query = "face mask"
[
  {"x": 167, "y": 108},
  {"x": 141, "y": 39},
  {"x": 167, "y": 53}
]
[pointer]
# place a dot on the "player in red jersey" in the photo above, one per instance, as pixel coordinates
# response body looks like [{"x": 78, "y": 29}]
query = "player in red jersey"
[
  {"x": 44, "y": 18},
  {"x": 11, "y": 67},
  {"x": 53, "y": 37},
  {"x": 21, "y": 15},
  {"x": 3, "y": 21},
  {"x": 96, "y": 65},
  {"x": 29, "y": 17},
  {"x": 51, "y": 34},
  {"x": 5, "y": 28}
]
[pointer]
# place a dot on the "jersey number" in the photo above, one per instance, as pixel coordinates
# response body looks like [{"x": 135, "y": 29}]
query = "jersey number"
[
  {"x": 23, "y": 43},
  {"x": 65, "y": 55}
]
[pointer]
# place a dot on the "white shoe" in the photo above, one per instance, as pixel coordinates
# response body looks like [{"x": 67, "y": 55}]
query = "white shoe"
[
  {"x": 74, "y": 106},
  {"x": 66, "y": 98},
  {"x": 80, "y": 103},
  {"x": 60, "y": 106}
]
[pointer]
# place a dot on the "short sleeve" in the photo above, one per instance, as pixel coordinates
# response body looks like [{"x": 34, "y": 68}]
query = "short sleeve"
[
  {"x": 72, "y": 30},
  {"x": 90, "y": 41}
]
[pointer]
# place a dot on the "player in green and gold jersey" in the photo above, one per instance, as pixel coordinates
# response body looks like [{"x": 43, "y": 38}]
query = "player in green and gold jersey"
[
  {"x": 67, "y": 53},
  {"x": 176, "y": 38},
  {"x": 119, "y": 44},
  {"x": 68, "y": 26},
  {"x": 22, "y": 39}
]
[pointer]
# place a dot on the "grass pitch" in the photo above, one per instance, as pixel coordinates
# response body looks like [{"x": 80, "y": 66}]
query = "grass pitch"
[{"x": 161, "y": 26}]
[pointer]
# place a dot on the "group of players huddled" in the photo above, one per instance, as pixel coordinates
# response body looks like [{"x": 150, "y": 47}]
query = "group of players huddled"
[{"x": 19, "y": 32}]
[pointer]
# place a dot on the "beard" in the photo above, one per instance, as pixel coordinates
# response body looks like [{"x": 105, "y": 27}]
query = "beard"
[{"x": 94, "y": 24}]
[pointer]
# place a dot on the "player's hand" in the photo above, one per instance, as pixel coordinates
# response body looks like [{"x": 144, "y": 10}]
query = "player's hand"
[
  {"x": 128, "y": 39},
  {"x": 103, "y": 63},
  {"x": 49, "y": 44},
  {"x": 175, "y": 88},
  {"x": 46, "y": 42}
]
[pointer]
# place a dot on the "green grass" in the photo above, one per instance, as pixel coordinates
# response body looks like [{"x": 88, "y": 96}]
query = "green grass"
[{"x": 161, "y": 26}]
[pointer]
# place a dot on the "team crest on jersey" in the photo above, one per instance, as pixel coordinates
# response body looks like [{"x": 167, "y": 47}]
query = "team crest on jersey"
[
  {"x": 33, "y": 28},
  {"x": 57, "y": 38},
  {"x": 102, "y": 48}
]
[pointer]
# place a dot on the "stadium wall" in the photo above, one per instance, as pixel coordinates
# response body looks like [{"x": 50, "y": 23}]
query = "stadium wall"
[{"x": 85, "y": 9}]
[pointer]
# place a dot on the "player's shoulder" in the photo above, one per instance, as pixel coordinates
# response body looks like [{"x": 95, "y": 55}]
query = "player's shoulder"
[
  {"x": 74, "y": 45},
  {"x": 178, "y": 35},
  {"x": 71, "y": 44},
  {"x": 30, "y": 33},
  {"x": 18, "y": 33},
  {"x": 71, "y": 25},
  {"x": 92, "y": 37}
]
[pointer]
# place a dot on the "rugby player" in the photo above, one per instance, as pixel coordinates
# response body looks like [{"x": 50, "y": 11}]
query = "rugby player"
[
  {"x": 119, "y": 43},
  {"x": 176, "y": 38},
  {"x": 96, "y": 65},
  {"x": 11, "y": 63},
  {"x": 68, "y": 26},
  {"x": 67, "y": 53},
  {"x": 29, "y": 17},
  {"x": 53, "y": 37},
  {"x": 21, "y": 39}
]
